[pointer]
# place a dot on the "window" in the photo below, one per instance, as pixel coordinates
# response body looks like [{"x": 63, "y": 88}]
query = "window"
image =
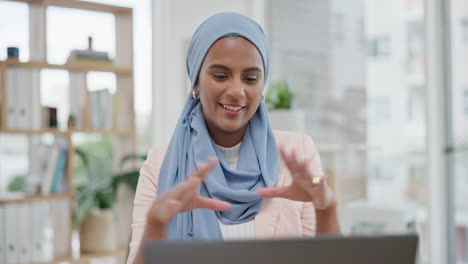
[
  {"x": 339, "y": 28},
  {"x": 379, "y": 109},
  {"x": 465, "y": 102},
  {"x": 361, "y": 36},
  {"x": 410, "y": 111},
  {"x": 379, "y": 47},
  {"x": 415, "y": 38},
  {"x": 14, "y": 29},
  {"x": 69, "y": 29},
  {"x": 464, "y": 29},
  {"x": 378, "y": 173},
  {"x": 416, "y": 175}
]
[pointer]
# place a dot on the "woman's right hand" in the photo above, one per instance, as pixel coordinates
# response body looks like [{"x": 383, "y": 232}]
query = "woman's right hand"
[{"x": 181, "y": 198}]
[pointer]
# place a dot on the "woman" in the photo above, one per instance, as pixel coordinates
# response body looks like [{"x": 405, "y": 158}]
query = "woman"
[{"x": 238, "y": 185}]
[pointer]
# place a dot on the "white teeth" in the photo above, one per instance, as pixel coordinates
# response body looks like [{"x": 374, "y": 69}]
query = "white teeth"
[{"x": 233, "y": 108}]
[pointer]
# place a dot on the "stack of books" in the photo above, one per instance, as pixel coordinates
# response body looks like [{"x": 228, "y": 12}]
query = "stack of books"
[
  {"x": 104, "y": 109},
  {"x": 24, "y": 108},
  {"x": 47, "y": 169},
  {"x": 34, "y": 231},
  {"x": 23, "y": 101}
]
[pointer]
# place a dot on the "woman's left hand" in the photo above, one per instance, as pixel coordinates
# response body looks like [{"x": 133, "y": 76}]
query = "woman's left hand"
[{"x": 305, "y": 187}]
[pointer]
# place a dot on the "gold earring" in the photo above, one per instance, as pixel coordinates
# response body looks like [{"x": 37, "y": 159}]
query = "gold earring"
[{"x": 195, "y": 94}]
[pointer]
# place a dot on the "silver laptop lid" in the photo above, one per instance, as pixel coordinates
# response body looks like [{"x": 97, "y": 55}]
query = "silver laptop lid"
[{"x": 388, "y": 249}]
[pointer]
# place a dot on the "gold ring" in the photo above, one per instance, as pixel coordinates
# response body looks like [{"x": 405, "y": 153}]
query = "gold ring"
[{"x": 315, "y": 180}]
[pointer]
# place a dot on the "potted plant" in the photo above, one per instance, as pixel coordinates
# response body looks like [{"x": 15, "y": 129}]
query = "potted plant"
[
  {"x": 95, "y": 195},
  {"x": 279, "y": 102}
]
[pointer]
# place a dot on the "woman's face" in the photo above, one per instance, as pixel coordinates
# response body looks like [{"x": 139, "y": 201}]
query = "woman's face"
[{"x": 230, "y": 85}]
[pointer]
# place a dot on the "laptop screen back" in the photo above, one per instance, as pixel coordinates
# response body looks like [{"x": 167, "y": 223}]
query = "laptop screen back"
[{"x": 391, "y": 249}]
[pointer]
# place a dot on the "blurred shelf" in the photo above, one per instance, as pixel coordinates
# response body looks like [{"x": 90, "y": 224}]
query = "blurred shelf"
[
  {"x": 18, "y": 198},
  {"x": 89, "y": 6},
  {"x": 105, "y": 132},
  {"x": 86, "y": 257},
  {"x": 33, "y": 132},
  {"x": 83, "y": 5},
  {"x": 56, "y": 261},
  {"x": 69, "y": 132},
  {"x": 79, "y": 67}
]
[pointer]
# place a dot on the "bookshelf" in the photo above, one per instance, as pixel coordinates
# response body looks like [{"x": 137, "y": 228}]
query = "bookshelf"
[
  {"x": 29, "y": 198},
  {"x": 122, "y": 131},
  {"x": 115, "y": 132},
  {"x": 121, "y": 253},
  {"x": 78, "y": 67}
]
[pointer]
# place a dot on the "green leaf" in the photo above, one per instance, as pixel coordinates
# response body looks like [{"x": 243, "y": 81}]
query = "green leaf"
[
  {"x": 83, "y": 156},
  {"x": 453, "y": 149},
  {"x": 130, "y": 178},
  {"x": 96, "y": 183},
  {"x": 279, "y": 96},
  {"x": 140, "y": 157},
  {"x": 17, "y": 183},
  {"x": 105, "y": 199}
]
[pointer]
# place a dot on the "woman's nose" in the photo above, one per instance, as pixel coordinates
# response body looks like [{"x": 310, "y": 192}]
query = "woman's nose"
[{"x": 236, "y": 89}]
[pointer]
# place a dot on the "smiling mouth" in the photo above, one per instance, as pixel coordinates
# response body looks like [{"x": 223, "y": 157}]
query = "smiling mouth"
[{"x": 236, "y": 108}]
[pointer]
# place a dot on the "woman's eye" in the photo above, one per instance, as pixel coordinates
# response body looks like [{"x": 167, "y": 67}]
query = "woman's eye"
[
  {"x": 251, "y": 79},
  {"x": 220, "y": 77}
]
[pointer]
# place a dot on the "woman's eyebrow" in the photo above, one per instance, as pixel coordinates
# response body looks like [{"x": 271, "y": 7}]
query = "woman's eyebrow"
[
  {"x": 219, "y": 66},
  {"x": 253, "y": 69}
]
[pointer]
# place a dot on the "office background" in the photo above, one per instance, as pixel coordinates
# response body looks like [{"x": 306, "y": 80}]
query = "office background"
[{"x": 381, "y": 87}]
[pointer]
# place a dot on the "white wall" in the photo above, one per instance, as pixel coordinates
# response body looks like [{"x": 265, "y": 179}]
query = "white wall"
[{"x": 173, "y": 24}]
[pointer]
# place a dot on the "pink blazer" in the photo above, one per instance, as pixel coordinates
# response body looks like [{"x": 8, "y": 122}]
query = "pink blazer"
[{"x": 277, "y": 218}]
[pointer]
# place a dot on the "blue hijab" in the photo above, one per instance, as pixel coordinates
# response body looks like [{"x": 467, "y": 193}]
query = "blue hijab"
[{"x": 191, "y": 143}]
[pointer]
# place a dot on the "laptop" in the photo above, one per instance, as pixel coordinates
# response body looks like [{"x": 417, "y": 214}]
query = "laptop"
[{"x": 382, "y": 249}]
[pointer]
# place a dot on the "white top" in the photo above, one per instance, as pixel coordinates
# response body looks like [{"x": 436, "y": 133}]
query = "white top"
[{"x": 246, "y": 230}]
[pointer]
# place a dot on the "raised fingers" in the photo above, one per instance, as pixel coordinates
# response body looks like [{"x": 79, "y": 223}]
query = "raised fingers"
[
  {"x": 187, "y": 191},
  {"x": 187, "y": 194},
  {"x": 188, "y": 188},
  {"x": 184, "y": 189},
  {"x": 272, "y": 192},
  {"x": 209, "y": 203},
  {"x": 193, "y": 182},
  {"x": 163, "y": 210},
  {"x": 300, "y": 170},
  {"x": 183, "y": 197},
  {"x": 204, "y": 168},
  {"x": 289, "y": 158},
  {"x": 292, "y": 162}
]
